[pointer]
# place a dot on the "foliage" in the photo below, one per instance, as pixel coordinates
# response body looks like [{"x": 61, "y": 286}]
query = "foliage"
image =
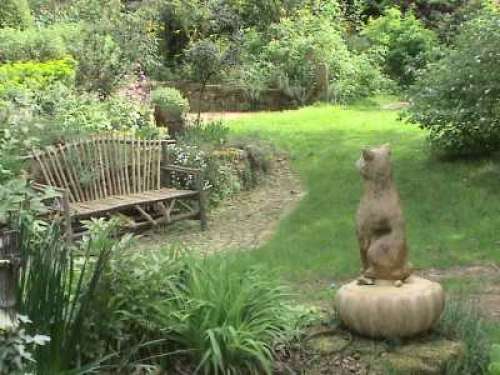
[
  {"x": 15, "y": 13},
  {"x": 16, "y": 348},
  {"x": 405, "y": 44},
  {"x": 159, "y": 307},
  {"x": 101, "y": 64},
  {"x": 123, "y": 322},
  {"x": 35, "y": 76},
  {"x": 38, "y": 44},
  {"x": 462, "y": 321},
  {"x": 293, "y": 54},
  {"x": 219, "y": 176},
  {"x": 227, "y": 320},
  {"x": 494, "y": 367},
  {"x": 17, "y": 197},
  {"x": 212, "y": 132},
  {"x": 456, "y": 99},
  {"x": 170, "y": 100},
  {"x": 57, "y": 288}
]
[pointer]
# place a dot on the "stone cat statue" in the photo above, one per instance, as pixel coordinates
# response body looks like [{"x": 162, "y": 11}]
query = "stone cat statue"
[{"x": 380, "y": 223}]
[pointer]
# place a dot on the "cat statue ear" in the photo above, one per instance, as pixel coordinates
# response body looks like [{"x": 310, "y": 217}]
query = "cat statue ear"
[
  {"x": 368, "y": 155},
  {"x": 387, "y": 146}
]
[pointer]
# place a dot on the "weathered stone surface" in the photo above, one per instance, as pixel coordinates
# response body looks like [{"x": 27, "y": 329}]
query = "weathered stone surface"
[
  {"x": 384, "y": 310},
  {"x": 337, "y": 354},
  {"x": 380, "y": 223},
  {"x": 428, "y": 358}
]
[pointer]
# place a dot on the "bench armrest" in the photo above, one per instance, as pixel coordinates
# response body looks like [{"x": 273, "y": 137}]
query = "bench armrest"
[
  {"x": 180, "y": 169},
  {"x": 42, "y": 187}
]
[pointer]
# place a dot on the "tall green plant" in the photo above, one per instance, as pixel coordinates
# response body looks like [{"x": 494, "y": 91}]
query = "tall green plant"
[
  {"x": 57, "y": 287},
  {"x": 227, "y": 320}
]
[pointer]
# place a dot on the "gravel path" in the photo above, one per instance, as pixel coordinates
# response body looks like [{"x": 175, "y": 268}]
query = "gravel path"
[{"x": 245, "y": 221}]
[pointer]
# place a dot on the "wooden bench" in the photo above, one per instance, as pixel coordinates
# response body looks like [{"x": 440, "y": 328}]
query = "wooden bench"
[{"x": 105, "y": 176}]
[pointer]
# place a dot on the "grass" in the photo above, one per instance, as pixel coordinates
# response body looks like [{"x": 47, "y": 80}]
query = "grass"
[{"x": 451, "y": 208}]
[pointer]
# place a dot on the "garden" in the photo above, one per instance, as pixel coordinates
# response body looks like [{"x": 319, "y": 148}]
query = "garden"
[{"x": 179, "y": 190}]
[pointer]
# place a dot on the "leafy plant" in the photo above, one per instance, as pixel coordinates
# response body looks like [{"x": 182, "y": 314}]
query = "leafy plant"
[
  {"x": 123, "y": 322},
  {"x": 35, "y": 76},
  {"x": 36, "y": 44},
  {"x": 15, "y": 13},
  {"x": 206, "y": 60},
  {"x": 406, "y": 45},
  {"x": 16, "y": 348},
  {"x": 170, "y": 100},
  {"x": 227, "y": 320},
  {"x": 57, "y": 287},
  {"x": 456, "y": 99},
  {"x": 211, "y": 132}
]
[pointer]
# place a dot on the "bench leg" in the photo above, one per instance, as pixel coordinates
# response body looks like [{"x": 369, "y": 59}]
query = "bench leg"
[
  {"x": 67, "y": 218},
  {"x": 202, "y": 202}
]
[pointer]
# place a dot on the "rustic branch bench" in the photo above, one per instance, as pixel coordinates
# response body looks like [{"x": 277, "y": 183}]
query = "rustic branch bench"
[{"x": 105, "y": 176}]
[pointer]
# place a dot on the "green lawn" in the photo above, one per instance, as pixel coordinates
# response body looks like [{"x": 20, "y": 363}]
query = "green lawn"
[{"x": 452, "y": 209}]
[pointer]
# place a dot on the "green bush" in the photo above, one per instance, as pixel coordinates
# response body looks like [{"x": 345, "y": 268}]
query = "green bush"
[
  {"x": 162, "y": 307},
  {"x": 456, "y": 99},
  {"x": 291, "y": 54},
  {"x": 123, "y": 321},
  {"x": 39, "y": 44},
  {"x": 58, "y": 285},
  {"x": 101, "y": 61},
  {"x": 15, "y": 13},
  {"x": 406, "y": 45},
  {"x": 228, "y": 320},
  {"x": 170, "y": 100},
  {"x": 35, "y": 76},
  {"x": 17, "y": 348},
  {"x": 212, "y": 132}
]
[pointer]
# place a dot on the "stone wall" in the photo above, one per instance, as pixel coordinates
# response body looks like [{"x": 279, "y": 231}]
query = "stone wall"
[{"x": 218, "y": 98}]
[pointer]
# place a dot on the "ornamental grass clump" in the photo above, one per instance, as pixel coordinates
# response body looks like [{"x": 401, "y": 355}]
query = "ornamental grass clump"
[{"x": 228, "y": 321}]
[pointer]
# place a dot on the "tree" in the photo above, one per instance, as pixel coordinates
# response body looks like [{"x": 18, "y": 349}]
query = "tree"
[
  {"x": 406, "y": 45},
  {"x": 457, "y": 98},
  {"x": 206, "y": 60}
]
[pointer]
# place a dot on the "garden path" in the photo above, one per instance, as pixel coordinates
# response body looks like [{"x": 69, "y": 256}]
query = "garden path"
[{"x": 245, "y": 221}]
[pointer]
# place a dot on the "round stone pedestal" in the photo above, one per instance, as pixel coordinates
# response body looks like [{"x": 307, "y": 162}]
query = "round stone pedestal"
[{"x": 384, "y": 310}]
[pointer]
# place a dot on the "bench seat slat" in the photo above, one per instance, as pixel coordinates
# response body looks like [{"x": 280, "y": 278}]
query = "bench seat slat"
[{"x": 117, "y": 203}]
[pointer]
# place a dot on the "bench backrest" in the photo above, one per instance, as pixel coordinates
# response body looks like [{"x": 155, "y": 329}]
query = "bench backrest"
[{"x": 99, "y": 167}]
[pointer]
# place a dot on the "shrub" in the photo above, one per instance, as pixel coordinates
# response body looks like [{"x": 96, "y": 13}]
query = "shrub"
[
  {"x": 170, "y": 100},
  {"x": 456, "y": 99},
  {"x": 227, "y": 320},
  {"x": 220, "y": 178},
  {"x": 35, "y": 76},
  {"x": 39, "y": 44},
  {"x": 292, "y": 54},
  {"x": 212, "y": 132},
  {"x": 57, "y": 290},
  {"x": 15, "y": 13},
  {"x": 123, "y": 321},
  {"x": 101, "y": 61},
  {"x": 406, "y": 44},
  {"x": 17, "y": 348},
  {"x": 161, "y": 307}
]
